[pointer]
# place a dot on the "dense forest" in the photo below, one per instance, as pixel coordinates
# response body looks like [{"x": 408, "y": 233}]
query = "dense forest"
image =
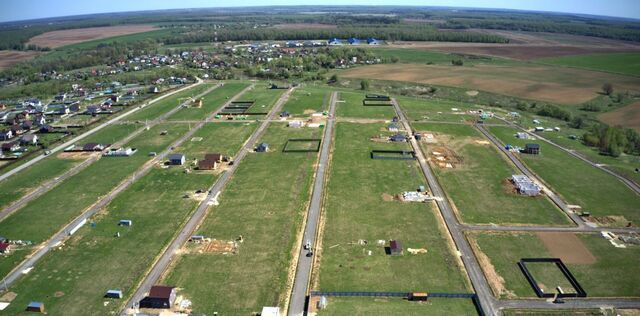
[{"x": 388, "y": 32}]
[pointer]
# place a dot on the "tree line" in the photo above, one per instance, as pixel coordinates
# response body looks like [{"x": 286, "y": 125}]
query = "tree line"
[{"x": 613, "y": 140}]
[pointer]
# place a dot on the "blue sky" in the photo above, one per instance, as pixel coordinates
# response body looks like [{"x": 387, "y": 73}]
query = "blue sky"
[{"x": 13, "y": 10}]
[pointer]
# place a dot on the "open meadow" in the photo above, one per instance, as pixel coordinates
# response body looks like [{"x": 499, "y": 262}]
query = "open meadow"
[{"x": 255, "y": 274}]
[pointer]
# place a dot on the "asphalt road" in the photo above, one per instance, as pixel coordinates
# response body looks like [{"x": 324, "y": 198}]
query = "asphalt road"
[
  {"x": 525, "y": 170},
  {"x": 480, "y": 285},
  {"x": 631, "y": 184},
  {"x": 183, "y": 236},
  {"x": 305, "y": 264},
  {"x": 92, "y": 131},
  {"x": 45, "y": 187},
  {"x": 61, "y": 235}
]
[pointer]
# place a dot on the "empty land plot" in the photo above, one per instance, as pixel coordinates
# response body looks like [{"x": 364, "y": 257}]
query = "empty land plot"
[
  {"x": 478, "y": 186},
  {"x": 264, "y": 98},
  {"x": 267, "y": 219},
  {"x": 210, "y": 102},
  {"x": 557, "y": 312},
  {"x": 536, "y": 82},
  {"x": 611, "y": 274},
  {"x": 9, "y": 58},
  {"x": 44, "y": 216},
  {"x": 421, "y": 56},
  {"x": 350, "y": 105},
  {"x": 623, "y": 63},
  {"x": 14, "y": 187},
  {"x": 307, "y": 100},
  {"x": 397, "y": 306},
  {"x": 578, "y": 182},
  {"x": 356, "y": 209},
  {"x": 59, "y": 38},
  {"x": 627, "y": 116},
  {"x": 436, "y": 110},
  {"x": 153, "y": 111},
  {"x": 219, "y": 138},
  {"x": 111, "y": 134},
  {"x": 95, "y": 260}
]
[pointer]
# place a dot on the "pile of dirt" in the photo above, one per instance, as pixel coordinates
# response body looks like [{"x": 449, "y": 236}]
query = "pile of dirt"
[
  {"x": 611, "y": 220},
  {"x": 508, "y": 187},
  {"x": 445, "y": 157},
  {"x": 75, "y": 155},
  {"x": 566, "y": 246},
  {"x": 219, "y": 246},
  {"x": 388, "y": 197}
]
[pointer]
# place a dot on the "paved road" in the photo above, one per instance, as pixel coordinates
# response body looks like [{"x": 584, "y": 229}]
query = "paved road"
[
  {"x": 480, "y": 285},
  {"x": 45, "y": 187},
  {"x": 183, "y": 236},
  {"x": 578, "y": 303},
  {"x": 64, "y": 233},
  {"x": 525, "y": 170},
  {"x": 305, "y": 264},
  {"x": 586, "y": 229},
  {"x": 93, "y": 131},
  {"x": 631, "y": 184}
]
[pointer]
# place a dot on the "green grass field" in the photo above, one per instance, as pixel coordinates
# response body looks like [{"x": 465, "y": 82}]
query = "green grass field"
[
  {"x": 576, "y": 181},
  {"x": 423, "y": 56},
  {"x": 44, "y": 216},
  {"x": 264, "y": 98},
  {"x": 211, "y": 102},
  {"x": 215, "y": 136},
  {"x": 268, "y": 220},
  {"x": 307, "y": 100},
  {"x": 477, "y": 185},
  {"x": 156, "y": 109},
  {"x": 102, "y": 253},
  {"x": 350, "y": 105},
  {"x": 355, "y": 209},
  {"x": 608, "y": 276},
  {"x": 397, "y": 306},
  {"x": 623, "y": 63},
  {"x": 436, "y": 110}
]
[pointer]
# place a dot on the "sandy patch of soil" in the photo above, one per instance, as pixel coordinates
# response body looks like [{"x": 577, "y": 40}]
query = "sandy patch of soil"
[
  {"x": 219, "y": 246},
  {"x": 9, "y": 58},
  {"x": 472, "y": 93},
  {"x": 627, "y": 116},
  {"x": 566, "y": 246},
  {"x": 387, "y": 197},
  {"x": 77, "y": 155},
  {"x": 8, "y": 297},
  {"x": 55, "y": 39}
]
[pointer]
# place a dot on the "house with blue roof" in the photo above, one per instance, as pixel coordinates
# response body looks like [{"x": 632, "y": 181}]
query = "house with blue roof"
[
  {"x": 373, "y": 41},
  {"x": 335, "y": 41},
  {"x": 354, "y": 41}
]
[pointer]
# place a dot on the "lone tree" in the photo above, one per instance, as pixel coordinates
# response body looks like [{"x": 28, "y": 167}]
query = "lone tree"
[
  {"x": 364, "y": 85},
  {"x": 607, "y": 88}
]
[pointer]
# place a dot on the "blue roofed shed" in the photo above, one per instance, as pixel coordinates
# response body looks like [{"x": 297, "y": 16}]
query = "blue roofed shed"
[
  {"x": 113, "y": 294},
  {"x": 263, "y": 147},
  {"x": 35, "y": 307}
]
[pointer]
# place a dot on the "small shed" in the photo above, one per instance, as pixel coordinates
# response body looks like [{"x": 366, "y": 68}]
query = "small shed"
[
  {"x": 398, "y": 138},
  {"x": 159, "y": 297},
  {"x": 285, "y": 114},
  {"x": 5, "y": 247},
  {"x": 418, "y": 296},
  {"x": 395, "y": 248},
  {"x": 296, "y": 124},
  {"x": 35, "y": 307},
  {"x": 270, "y": 311},
  {"x": 393, "y": 127},
  {"x": 262, "y": 147},
  {"x": 113, "y": 294},
  {"x": 533, "y": 149},
  {"x": 125, "y": 222},
  {"x": 177, "y": 159},
  {"x": 207, "y": 164}
]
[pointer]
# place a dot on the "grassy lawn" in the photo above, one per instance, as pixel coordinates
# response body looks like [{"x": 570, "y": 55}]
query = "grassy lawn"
[
  {"x": 44, "y": 216},
  {"x": 578, "y": 183},
  {"x": 103, "y": 253},
  {"x": 264, "y": 98},
  {"x": 423, "y": 56},
  {"x": 558, "y": 312},
  {"x": 350, "y": 105},
  {"x": 355, "y": 209},
  {"x": 18, "y": 185},
  {"x": 307, "y": 100},
  {"x": 211, "y": 102},
  {"x": 477, "y": 185},
  {"x": 92, "y": 261},
  {"x": 612, "y": 274},
  {"x": 624, "y": 63},
  {"x": 156, "y": 109},
  {"x": 216, "y": 138},
  {"x": 397, "y": 306},
  {"x": 437, "y": 110},
  {"x": 111, "y": 133},
  {"x": 268, "y": 220}
]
